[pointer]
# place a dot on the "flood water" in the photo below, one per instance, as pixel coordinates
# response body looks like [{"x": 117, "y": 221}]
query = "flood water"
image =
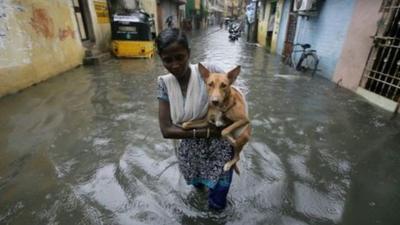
[{"x": 85, "y": 148}]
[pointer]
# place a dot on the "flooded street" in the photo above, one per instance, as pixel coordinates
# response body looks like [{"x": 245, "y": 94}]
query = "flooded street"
[{"x": 85, "y": 148}]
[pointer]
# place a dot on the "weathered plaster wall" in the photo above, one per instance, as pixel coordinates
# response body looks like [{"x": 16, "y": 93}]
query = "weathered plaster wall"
[
  {"x": 357, "y": 43},
  {"x": 326, "y": 32},
  {"x": 38, "y": 39}
]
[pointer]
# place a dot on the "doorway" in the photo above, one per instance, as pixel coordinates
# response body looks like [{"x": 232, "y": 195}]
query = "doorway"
[
  {"x": 270, "y": 27},
  {"x": 82, "y": 16}
]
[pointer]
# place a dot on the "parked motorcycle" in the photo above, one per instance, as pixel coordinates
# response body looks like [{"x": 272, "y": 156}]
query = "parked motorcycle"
[{"x": 234, "y": 31}]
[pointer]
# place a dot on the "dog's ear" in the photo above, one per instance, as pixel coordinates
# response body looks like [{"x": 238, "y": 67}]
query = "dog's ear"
[
  {"x": 232, "y": 75},
  {"x": 205, "y": 73}
]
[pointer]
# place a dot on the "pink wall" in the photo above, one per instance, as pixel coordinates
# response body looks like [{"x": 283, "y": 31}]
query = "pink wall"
[{"x": 358, "y": 43}]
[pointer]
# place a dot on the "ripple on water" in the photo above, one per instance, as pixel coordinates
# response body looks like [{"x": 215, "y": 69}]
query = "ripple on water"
[
  {"x": 299, "y": 167},
  {"x": 291, "y": 221},
  {"x": 99, "y": 127},
  {"x": 317, "y": 205},
  {"x": 101, "y": 141},
  {"x": 108, "y": 192},
  {"x": 262, "y": 182}
]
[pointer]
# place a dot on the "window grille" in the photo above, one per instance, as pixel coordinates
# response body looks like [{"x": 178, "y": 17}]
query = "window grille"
[{"x": 381, "y": 74}]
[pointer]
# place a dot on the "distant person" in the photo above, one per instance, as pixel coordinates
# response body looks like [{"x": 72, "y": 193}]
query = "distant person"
[
  {"x": 169, "y": 21},
  {"x": 182, "y": 96}
]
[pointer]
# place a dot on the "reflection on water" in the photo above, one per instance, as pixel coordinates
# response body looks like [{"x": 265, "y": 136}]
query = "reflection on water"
[{"x": 85, "y": 148}]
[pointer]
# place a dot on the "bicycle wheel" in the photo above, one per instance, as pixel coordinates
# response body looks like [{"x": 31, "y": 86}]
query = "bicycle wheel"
[
  {"x": 308, "y": 63},
  {"x": 292, "y": 59}
]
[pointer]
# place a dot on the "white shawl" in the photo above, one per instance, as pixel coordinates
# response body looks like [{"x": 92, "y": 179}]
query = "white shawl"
[{"x": 195, "y": 105}]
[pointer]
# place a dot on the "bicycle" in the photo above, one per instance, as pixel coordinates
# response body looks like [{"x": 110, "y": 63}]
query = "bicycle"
[{"x": 308, "y": 60}]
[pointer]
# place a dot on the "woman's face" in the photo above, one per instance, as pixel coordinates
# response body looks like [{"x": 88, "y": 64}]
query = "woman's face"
[{"x": 176, "y": 59}]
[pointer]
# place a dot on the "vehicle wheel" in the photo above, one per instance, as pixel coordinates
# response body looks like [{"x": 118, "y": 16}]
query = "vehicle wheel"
[{"x": 310, "y": 63}]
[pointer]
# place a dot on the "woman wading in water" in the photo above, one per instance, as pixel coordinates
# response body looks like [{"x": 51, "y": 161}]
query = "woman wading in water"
[{"x": 182, "y": 96}]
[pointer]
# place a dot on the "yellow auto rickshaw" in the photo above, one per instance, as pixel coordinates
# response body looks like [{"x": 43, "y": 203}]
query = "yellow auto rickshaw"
[{"x": 131, "y": 35}]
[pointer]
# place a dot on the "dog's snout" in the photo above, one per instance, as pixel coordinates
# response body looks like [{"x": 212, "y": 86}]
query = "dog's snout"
[{"x": 214, "y": 102}]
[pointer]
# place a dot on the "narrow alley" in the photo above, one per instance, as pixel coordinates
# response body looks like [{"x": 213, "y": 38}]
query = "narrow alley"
[{"x": 85, "y": 148}]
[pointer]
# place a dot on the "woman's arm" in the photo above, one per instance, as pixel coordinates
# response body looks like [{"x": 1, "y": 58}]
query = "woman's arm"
[{"x": 169, "y": 130}]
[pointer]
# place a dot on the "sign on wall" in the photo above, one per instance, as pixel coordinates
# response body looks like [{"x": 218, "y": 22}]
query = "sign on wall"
[{"x": 101, "y": 12}]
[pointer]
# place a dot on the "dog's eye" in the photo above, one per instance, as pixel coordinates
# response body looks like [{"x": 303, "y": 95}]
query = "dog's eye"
[
  {"x": 210, "y": 84},
  {"x": 223, "y": 85}
]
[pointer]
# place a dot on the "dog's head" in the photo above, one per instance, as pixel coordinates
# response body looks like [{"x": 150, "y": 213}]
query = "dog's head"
[{"x": 218, "y": 84}]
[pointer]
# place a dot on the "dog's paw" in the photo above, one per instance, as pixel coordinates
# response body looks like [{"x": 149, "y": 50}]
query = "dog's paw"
[
  {"x": 186, "y": 125},
  {"x": 227, "y": 167},
  {"x": 224, "y": 133}
]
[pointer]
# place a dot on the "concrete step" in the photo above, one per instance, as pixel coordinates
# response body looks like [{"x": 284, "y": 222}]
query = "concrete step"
[
  {"x": 92, "y": 52},
  {"x": 92, "y": 58}
]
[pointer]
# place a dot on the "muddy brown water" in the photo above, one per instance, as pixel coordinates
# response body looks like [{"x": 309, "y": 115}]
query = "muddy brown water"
[{"x": 85, "y": 148}]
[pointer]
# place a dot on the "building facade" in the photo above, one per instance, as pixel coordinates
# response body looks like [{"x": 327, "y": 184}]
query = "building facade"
[
  {"x": 159, "y": 10},
  {"x": 40, "y": 39},
  {"x": 355, "y": 42},
  {"x": 369, "y": 60},
  {"x": 170, "y": 9},
  {"x": 269, "y": 19},
  {"x": 216, "y": 11},
  {"x": 234, "y": 8},
  {"x": 196, "y": 14}
]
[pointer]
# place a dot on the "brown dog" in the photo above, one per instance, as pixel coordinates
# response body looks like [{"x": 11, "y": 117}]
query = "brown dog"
[{"x": 226, "y": 107}]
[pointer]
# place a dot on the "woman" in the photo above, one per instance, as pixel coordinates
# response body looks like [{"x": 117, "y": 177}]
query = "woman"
[{"x": 182, "y": 97}]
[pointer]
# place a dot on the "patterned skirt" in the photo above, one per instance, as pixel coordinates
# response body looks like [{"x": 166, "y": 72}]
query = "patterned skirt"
[{"x": 201, "y": 161}]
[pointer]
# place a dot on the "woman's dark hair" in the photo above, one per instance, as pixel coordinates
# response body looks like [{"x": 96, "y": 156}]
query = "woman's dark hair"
[{"x": 170, "y": 36}]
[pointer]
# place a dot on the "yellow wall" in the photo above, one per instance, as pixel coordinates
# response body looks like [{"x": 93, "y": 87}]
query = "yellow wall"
[
  {"x": 262, "y": 33},
  {"x": 38, "y": 39},
  {"x": 278, "y": 13},
  {"x": 263, "y": 24}
]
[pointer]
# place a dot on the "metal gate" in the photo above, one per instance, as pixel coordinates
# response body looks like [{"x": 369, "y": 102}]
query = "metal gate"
[{"x": 381, "y": 73}]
